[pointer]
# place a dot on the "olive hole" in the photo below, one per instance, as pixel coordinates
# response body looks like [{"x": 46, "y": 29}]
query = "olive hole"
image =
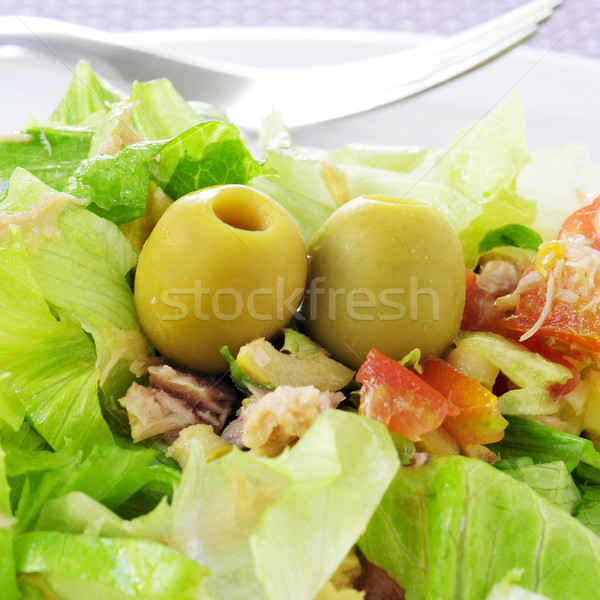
[{"x": 241, "y": 213}]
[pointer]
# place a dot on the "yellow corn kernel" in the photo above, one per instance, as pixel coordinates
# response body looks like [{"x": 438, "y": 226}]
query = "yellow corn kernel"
[{"x": 548, "y": 255}]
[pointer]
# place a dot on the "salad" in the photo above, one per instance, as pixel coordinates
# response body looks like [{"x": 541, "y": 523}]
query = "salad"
[{"x": 298, "y": 456}]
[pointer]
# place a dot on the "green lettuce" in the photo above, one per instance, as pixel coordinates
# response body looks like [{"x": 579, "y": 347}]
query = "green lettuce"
[
  {"x": 518, "y": 236},
  {"x": 8, "y": 581},
  {"x": 48, "y": 365},
  {"x": 110, "y": 475},
  {"x": 253, "y": 520},
  {"x": 77, "y": 265},
  {"x": 116, "y": 185},
  {"x": 552, "y": 481},
  {"x": 51, "y": 154},
  {"x": 543, "y": 444},
  {"x": 588, "y": 510},
  {"x": 86, "y": 98},
  {"x": 455, "y": 526},
  {"x": 162, "y": 113},
  {"x": 210, "y": 153},
  {"x": 78, "y": 566}
]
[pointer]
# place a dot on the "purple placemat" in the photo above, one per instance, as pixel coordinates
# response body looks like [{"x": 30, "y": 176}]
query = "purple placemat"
[{"x": 573, "y": 28}]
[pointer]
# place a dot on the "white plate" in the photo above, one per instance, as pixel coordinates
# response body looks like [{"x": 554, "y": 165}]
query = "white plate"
[{"x": 560, "y": 91}]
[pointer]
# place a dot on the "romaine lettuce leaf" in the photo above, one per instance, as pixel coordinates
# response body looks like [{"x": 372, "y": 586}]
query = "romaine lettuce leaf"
[
  {"x": 8, "y": 580},
  {"x": 79, "y": 566},
  {"x": 401, "y": 159},
  {"x": 485, "y": 156},
  {"x": 518, "y": 236},
  {"x": 455, "y": 526},
  {"x": 588, "y": 510}
]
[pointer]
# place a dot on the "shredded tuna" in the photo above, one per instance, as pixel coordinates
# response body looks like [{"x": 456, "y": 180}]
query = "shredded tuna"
[
  {"x": 174, "y": 400},
  {"x": 267, "y": 423},
  {"x": 153, "y": 412},
  {"x": 499, "y": 277}
]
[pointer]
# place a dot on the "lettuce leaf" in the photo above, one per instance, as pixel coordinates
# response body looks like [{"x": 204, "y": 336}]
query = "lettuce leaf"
[
  {"x": 266, "y": 527},
  {"x": 51, "y": 154},
  {"x": 456, "y": 526},
  {"x": 116, "y": 185},
  {"x": 79, "y": 566},
  {"x": 306, "y": 507},
  {"x": 544, "y": 444},
  {"x": 109, "y": 474},
  {"x": 86, "y": 96},
  {"x": 48, "y": 365},
  {"x": 552, "y": 481},
  {"x": 81, "y": 273},
  {"x": 210, "y": 153},
  {"x": 161, "y": 112},
  {"x": 518, "y": 236},
  {"x": 8, "y": 580}
]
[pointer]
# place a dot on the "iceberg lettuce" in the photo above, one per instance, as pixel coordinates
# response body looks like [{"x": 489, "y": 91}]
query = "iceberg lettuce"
[
  {"x": 456, "y": 526},
  {"x": 78, "y": 566},
  {"x": 8, "y": 580},
  {"x": 267, "y": 528}
]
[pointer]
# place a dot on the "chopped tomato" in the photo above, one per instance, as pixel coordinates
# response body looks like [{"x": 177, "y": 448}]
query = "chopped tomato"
[
  {"x": 584, "y": 221},
  {"x": 398, "y": 398},
  {"x": 479, "y": 421},
  {"x": 559, "y": 294}
]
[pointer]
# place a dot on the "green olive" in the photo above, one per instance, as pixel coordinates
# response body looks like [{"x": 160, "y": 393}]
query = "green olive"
[
  {"x": 223, "y": 266},
  {"x": 387, "y": 273}
]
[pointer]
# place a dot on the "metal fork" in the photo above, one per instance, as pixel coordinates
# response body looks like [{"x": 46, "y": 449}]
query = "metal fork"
[{"x": 304, "y": 96}]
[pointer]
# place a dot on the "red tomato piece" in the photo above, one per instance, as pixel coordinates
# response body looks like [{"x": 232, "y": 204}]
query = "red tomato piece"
[
  {"x": 479, "y": 421},
  {"x": 398, "y": 398}
]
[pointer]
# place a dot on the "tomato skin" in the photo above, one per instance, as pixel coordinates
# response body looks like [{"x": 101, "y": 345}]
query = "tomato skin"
[
  {"x": 479, "y": 420},
  {"x": 398, "y": 398}
]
